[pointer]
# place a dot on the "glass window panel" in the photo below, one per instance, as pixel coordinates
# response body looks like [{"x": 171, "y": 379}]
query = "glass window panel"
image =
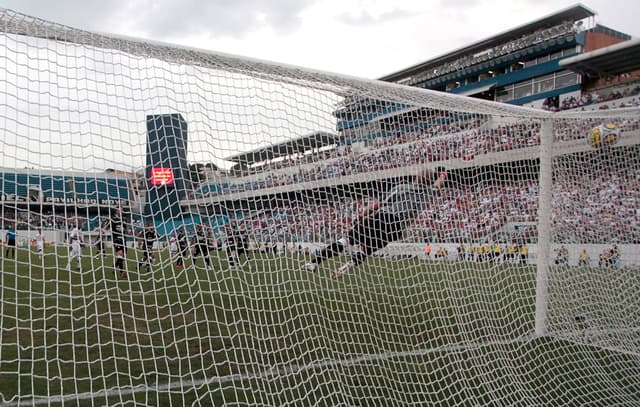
[
  {"x": 523, "y": 89},
  {"x": 566, "y": 79}
]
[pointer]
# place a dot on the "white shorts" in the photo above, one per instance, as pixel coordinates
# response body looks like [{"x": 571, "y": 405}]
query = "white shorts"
[
  {"x": 40, "y": 246},
  {"x": 75, "y": 249}
]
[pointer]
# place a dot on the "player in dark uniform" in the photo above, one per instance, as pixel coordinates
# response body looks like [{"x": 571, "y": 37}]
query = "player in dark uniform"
[
  {"x": 384, "y": 223},
  {"x": 237, "y": 244},
  {"x": 99, "y": 244},
  {"x": 118, "y": 230},
  {"x": 183, "y": 248},
  {"x": 149, "y": 237},
  {"x": 203, "y": 240}
]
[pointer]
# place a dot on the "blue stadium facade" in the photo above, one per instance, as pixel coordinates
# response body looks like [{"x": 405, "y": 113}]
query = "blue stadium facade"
[
  {"x": 520, "y": 66},
  {"x": 39, "y": 187},
  {"x": 31, "y": 199}
]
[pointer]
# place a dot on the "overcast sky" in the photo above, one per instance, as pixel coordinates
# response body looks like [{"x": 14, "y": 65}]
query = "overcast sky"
[
  {"x": 360, "y": 38},
  {"x": 364, "y": 38}
]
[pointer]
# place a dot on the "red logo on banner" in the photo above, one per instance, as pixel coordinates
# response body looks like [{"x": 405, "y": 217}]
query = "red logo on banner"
[{"x": 161, "y": 176}]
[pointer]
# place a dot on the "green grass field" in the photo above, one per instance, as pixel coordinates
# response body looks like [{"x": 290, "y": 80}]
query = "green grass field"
[{"x": 390, "y": 333}]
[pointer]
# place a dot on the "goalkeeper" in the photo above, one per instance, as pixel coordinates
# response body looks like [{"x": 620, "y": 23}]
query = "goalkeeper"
[{"x": 383, "y": 223}]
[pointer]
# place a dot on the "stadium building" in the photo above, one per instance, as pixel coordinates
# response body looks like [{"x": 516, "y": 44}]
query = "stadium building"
[
  {"x": 534, "y": 65},
  {"x": 559, "y": 62},
  {"x": 51, "y": 200},
  {"x": 492, "y": 316}
]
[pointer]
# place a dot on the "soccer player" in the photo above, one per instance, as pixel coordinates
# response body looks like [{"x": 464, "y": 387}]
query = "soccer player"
[
  {"x": 183, "y": 248},
  {"x": 173, "y": 245},
  {"x": 202, "y": 244},
  {"x": 383, "y": 223},
  {"x": 148, "y": 239},
  {"x": 40, "y": 243},
  {"x": 480, "y": 252},
  {"x": 99, "y": 244},
  {"x": 11, "y": 241},
  {"x": 116, "y": 224},
  {"x": 75, "y": 241},
  {"x": 237, "y": 244}
]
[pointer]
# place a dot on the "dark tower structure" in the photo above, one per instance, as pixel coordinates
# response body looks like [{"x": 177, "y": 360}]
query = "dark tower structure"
[{"x": 167, "y": 170}]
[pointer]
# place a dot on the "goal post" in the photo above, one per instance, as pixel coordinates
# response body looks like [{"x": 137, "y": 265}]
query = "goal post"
[
  {"x": 211, "y": 229},
  {"x": 544, "y": 224}
]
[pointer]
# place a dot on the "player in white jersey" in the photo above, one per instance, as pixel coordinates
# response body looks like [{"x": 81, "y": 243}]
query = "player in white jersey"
[
  {"x": 75, "y": 241},
  {"x": 40, "y": 243},
  {"x": 173, "y": 245},
  {"x": 383, "y": 223}
]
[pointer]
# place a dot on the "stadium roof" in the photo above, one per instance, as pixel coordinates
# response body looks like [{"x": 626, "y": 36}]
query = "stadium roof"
[
  {"x": 616, "y": 59},
  {"x": 64, "y": 173},
  {"x": 574, "y": 13},
  {"x": 300, "y": 145}
]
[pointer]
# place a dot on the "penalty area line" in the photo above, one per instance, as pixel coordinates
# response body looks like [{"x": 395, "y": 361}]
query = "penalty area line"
[{"x": 267, "y": 373}]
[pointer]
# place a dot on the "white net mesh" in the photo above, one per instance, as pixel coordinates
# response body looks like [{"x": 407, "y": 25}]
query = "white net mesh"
[{"x": 172, "y": 220}]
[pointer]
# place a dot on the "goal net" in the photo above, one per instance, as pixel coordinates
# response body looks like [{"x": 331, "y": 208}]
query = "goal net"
[{"x": 182, "y": 227}]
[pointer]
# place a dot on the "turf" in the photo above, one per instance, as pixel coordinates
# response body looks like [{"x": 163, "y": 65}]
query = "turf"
[{"x": 392, "y": 332}]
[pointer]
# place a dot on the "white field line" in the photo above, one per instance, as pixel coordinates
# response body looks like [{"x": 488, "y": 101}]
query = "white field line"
[
  {"x": 293, "y": 369},
  {"x": 273, "y": 372},
  {"x": 167, "y": 292}
]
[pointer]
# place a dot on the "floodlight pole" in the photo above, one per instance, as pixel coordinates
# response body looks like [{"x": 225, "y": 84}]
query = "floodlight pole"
[{"x": 544, "y": 226}]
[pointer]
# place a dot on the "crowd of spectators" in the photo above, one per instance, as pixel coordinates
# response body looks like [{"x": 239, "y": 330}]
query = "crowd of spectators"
[
  {"x": 464, "y": 145},
  {"x": 605, "y": 99},
  {"x": 31, "y": 219},
  {"x": 25, "y": 219},
  {"x": 477, "y": 212},
  {"x": 588, "y": 206},
  {"x": 598, "y": 205},
  {"x": 568, "y": 129}
]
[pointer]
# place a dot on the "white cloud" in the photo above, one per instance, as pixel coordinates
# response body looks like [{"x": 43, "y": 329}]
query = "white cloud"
[{"x": 367, "y": 38}]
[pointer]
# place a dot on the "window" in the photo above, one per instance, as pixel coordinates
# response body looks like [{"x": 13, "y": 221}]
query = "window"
[
  {"x": 543, "y": 58},
  {"x": 523, "y": 89},
  {"x": 504, "y": 93},
  {"x": 566, "y": 78},
  {"x": 556, "y": 55},
  {"x": 453, "y": 85},
  {"x": 544, "y": 83}
]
